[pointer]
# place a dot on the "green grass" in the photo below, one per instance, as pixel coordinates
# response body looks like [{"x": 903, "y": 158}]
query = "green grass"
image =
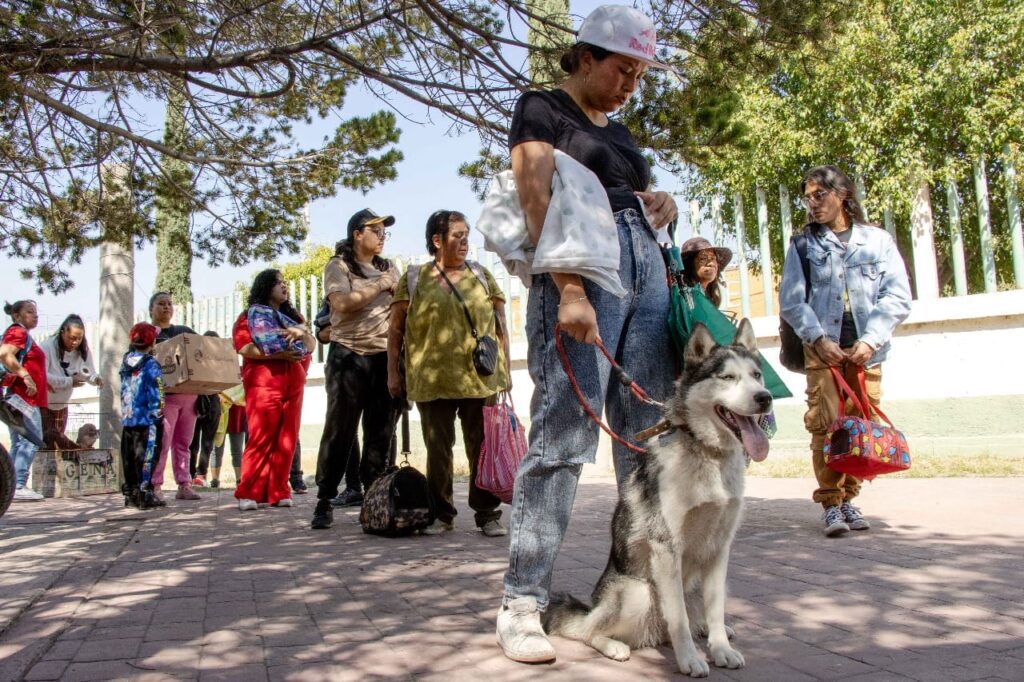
[{"x": 983, "y": 465}]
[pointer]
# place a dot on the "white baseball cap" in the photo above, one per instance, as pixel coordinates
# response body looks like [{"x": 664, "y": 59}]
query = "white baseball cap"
[{"x": 622, "y": 30}]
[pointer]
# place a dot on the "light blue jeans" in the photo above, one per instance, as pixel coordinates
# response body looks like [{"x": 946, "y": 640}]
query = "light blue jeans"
[
  {"x": 562, "y": 437},
  {"x": 24, "y": 450}
]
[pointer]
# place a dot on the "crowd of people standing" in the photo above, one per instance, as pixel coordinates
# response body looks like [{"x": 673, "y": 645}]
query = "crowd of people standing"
[{"x": 398, "y": 337}]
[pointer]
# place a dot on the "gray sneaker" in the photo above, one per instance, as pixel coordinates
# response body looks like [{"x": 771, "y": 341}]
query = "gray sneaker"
[
  {"x": 438, "y": 527},
  {"x": 520, "y": 634},
  {"x": 835, "y": 523},
  {"x": 494, "y": 529},
  {"x": 854, "y": 519}
]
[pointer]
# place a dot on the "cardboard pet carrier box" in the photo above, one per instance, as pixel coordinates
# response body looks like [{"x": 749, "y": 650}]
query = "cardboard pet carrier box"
[
  {"x": 73, "y": 473},
  {"x": 198, "y": 364}
]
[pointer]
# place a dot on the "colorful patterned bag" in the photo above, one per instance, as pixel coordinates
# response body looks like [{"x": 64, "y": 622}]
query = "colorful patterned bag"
[
  {"x": 399, "y": 502},
  {"x": 859, "y": 446},
  {"x": 503, "y": 449}
]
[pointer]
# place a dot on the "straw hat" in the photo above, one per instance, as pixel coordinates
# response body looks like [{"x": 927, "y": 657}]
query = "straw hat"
[{"x": 695, "y": 245}]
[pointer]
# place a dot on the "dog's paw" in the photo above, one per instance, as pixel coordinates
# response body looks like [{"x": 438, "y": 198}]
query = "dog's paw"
[
  {"x": 693, "y": 664},
  {"x": 612, "y": 648},
  {"x": 700, "y": 631},
  {"x": 727, "y": 657}
]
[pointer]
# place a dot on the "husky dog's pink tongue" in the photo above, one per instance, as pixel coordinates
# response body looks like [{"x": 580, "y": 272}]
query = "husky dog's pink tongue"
[{"x": 755, "y": 442}]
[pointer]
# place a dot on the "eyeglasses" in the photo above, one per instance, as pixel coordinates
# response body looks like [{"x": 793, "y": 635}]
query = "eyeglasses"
[
  {"x": 815, "y": 197},
  {"x": 703, "y": 259},
  {"x": 381, "y": 234}
]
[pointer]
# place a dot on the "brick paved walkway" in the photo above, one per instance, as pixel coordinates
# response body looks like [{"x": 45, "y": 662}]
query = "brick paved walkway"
[{"x": 89, "y": 591}]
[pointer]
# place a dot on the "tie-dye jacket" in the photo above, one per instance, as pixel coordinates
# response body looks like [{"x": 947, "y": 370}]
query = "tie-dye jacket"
[
  {"x": 142, "y": 389},
  {"x": 267, "y": 326}
]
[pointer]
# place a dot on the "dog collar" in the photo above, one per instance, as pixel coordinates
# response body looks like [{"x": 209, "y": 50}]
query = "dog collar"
[{"x": 664, "y": 426}]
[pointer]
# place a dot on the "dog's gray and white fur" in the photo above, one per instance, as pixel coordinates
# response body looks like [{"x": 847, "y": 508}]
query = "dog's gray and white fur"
[{"x": 677, "y": 516}]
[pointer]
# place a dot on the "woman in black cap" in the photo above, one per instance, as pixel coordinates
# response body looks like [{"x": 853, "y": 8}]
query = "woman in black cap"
[{"x": 359, "y": 285}]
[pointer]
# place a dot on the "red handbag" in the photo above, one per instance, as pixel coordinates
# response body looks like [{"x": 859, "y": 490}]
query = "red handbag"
[
  {"x": 503, "y": 449},
  {"x": 859, "y": 446}
]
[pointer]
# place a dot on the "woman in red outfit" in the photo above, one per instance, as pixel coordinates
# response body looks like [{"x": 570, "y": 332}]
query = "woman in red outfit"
[{"x": 274, "y": 345}]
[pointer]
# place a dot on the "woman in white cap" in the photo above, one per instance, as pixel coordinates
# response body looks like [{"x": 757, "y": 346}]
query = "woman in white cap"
[{"x": 616, "y": 46}]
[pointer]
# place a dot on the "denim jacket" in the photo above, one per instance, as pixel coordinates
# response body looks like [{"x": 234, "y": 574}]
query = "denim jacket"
[{"x": 872, "y": 271}]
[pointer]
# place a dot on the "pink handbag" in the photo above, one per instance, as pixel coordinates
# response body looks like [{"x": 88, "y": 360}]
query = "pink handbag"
[
  {"x": 503, "y": 449},
  {"x": 859, "y": 446}
]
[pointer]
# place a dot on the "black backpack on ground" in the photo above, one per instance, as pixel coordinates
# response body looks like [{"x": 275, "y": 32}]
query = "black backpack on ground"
[{"x": 399, "y": 502}]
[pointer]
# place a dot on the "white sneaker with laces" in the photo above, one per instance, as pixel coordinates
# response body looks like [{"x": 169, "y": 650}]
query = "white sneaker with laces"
[
  {"x": 835, "y": 524},
  {"x": 246, "y": 505},
  {"x": 285, "y": 502},
  {"x": 854, "y": 519},
  {"x": 520, "y": 634},
  {"x": 26, "y": 495}
]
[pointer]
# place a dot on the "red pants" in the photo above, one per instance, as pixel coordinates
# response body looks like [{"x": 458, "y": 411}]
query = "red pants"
[{"x": 273, "y": 408}]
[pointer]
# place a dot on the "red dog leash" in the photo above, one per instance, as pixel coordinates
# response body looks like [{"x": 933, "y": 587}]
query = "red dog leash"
[{"x": 619, "y": 373}]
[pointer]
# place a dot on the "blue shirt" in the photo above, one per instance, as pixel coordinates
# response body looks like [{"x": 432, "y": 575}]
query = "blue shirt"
[{"x": 871, "y": 271}]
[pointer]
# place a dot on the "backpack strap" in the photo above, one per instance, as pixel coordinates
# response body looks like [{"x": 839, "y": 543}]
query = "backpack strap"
[
  {"x": 412, "y": 279},
  {"x": 800, "y": 242},
  {"x": 478, "y": 271}
]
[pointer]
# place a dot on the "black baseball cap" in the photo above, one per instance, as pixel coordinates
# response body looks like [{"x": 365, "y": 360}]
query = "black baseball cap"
[{"x": 367, "y": 217}]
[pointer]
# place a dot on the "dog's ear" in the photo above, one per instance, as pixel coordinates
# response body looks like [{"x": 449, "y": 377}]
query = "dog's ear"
[
  {"x": 745, "y": 336},
  {"x": 699, "y": 346}
]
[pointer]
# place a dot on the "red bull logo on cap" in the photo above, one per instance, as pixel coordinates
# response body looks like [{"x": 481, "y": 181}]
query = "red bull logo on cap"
[{"x": 646, "y": 48}]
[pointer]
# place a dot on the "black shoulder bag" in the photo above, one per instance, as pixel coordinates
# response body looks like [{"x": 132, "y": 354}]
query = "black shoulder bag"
[
  {"x": 791, "y": 347},
  {"x": 485, "y": 355}
]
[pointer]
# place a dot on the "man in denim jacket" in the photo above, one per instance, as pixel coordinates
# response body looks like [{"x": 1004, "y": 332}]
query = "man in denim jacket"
[{"x": 858, "y": 294}]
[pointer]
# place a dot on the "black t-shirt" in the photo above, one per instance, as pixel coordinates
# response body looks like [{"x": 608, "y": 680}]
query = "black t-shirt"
[
  {"x": 172, "y": 331},
  {"x": 610, "y": 152}
]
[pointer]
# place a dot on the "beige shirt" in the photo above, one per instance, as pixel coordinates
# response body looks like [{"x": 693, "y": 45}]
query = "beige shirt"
[{"x": 364, "y": 331}]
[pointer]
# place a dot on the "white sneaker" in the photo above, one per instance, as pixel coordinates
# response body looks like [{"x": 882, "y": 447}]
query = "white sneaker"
[
  {"x": 438, "y": 527},
  {"x": 286, "y": 502},
  {"x": 520, "y": 634},
  {"x": 494, "y": 529},
  {"x": 26, "y": 495},
  {"x": 246, "y": 505}
]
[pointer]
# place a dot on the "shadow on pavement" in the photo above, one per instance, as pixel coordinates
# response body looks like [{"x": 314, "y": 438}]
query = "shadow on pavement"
[{"x": 201, "y": 591}]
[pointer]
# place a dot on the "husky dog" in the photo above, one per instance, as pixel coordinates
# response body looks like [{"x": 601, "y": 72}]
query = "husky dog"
[{"x": 677, "y": 516}]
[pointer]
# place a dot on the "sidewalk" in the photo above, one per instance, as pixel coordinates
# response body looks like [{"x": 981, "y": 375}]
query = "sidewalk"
[{"x": 90, "y": 591}]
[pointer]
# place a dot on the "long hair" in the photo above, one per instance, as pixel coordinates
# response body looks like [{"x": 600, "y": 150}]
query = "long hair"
[
  {"x": 833, "y": 179},
  {"x": 70, "y": 321},
  {"x": 263, "y": 285},
  {"x": 347, "y": 250},
  {"x": 712, "y": 292},
  {"x": 13, "y": 309},
  {"x": 439, "y": 223}
]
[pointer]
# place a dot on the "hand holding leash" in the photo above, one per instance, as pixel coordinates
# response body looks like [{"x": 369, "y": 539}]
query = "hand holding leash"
[
  {"x": 859, "y": 354},
  {"x": 577, "y": 318},
  {"x": 830, "y": 352}
]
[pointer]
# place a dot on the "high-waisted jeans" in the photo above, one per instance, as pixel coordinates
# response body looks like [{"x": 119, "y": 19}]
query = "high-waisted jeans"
[
  {"x": 23, "y": 451},
  {"x": 562, "y": 437}
]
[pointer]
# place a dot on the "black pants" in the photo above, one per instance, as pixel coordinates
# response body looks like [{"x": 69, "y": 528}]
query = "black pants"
[
  {"x": 202, "y": 441},
  {"x": 295, "y": 474},
  {"x": 437, "y": 417},
  {"x": 357, "y": 389},
  {"x": 137, "y": 454}
]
